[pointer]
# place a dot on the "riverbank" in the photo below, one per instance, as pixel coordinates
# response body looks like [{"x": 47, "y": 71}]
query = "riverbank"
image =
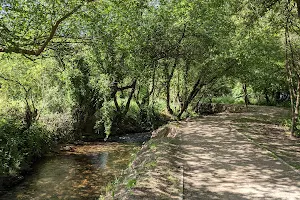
[
  {"x": 80, "y": 172},
  {"x": 155, "y": 164},
  {"x": 9, "y": 182}
]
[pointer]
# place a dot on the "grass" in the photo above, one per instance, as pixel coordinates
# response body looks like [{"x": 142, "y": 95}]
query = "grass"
[
  {"x": 131, "y": 183},
  {"x": 153, "y": 146}
]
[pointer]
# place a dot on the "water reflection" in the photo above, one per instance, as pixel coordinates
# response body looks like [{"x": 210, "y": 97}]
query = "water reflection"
[{"x": 77, "y": 175}]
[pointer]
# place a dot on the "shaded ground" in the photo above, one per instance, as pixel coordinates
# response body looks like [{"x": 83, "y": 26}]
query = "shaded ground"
[
  {"x": 263, "y": 125},
  {"x": 245, "y": 155},
  {"x": 220, "y": 162}
]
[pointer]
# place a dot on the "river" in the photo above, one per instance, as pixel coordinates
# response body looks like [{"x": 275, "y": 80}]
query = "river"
[{"x": 80, "y": 174}]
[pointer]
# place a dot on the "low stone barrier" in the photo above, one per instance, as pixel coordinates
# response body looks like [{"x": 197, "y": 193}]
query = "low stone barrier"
[{"x": 213, "y": 108}]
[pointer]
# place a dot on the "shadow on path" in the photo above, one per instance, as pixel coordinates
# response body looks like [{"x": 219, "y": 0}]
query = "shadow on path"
[{"x": 220, "y": 163}]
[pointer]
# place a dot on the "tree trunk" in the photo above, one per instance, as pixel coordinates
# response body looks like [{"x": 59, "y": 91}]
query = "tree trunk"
[
  {"x": 185, "y": 79},
  {"x": 171, "y": 112},
  {"x": 246, "y": 98},
  {"x": 129, "y": 98},
  {"x": 168, "y": 85},
  {"x": 267, "y": 97},
  {"x": 191, "y": 96},
  {"x": 292, "y": 97},
  {"x": 298, "y": 7},
  {"x": 295, "y": 120},
  {"x": 170, "y": 76},
  {"x": 196, "y": 89},
  {"x": 292, "y": 74}
]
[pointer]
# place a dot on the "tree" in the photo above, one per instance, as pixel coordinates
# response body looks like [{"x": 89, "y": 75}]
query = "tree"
[
  {"x": 284, "y": 17},
  {"x": 292, "y": 62}
]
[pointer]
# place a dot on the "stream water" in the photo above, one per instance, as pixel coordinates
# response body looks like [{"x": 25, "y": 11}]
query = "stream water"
[{"x": 78, "y": 175}]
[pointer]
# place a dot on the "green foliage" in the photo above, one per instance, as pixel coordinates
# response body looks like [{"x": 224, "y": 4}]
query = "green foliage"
[
  {"x": 60, "y": 125},
  {"x": 18, "y": 147},
  {"x": 105, "y": 118},
  {"x": 288, "y": 123},
  {"x": 178, "y": 53},
  {"x": 224, "y": 99}
]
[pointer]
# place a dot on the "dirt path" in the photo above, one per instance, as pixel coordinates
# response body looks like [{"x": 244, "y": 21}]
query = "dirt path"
[
  {"x": 236, "y": 156},
  {"x": 220, "y": 162}
]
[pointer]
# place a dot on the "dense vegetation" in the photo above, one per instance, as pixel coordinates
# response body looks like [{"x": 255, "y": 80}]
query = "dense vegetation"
[{"x": 90, "y": 68}]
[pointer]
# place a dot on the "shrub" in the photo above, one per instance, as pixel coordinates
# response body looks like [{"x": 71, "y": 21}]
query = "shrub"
[
  {"x": 18, "y": 148},
  {"x": 60, "y": 125}
]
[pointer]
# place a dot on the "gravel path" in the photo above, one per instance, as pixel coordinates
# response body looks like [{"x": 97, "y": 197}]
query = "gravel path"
[
  {"x": 219, "y": 162},
  {"x": 236, "y": 156}
]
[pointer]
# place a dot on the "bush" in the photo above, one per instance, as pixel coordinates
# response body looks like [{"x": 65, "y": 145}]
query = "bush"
[
  {"x": 138, "y": 119},
  {"x": 60, "y": 125},
  {"x": 18, "y": 148},
  {"x": 224, "y": 100}
]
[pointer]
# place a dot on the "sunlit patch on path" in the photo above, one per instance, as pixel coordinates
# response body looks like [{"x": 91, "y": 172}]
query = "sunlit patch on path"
[{"x": 221, "y": 163}]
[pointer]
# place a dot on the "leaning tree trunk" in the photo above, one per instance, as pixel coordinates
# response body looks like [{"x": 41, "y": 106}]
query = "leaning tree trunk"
[
  {"x": 198, "y": 86},
  {"x": 191, "y": 96},
  {"x": 133, "y": 85}
]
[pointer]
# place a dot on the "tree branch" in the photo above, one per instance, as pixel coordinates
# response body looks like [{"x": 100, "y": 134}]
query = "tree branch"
[
  {"x": 125, "y": 87},
  {"x": 47, "y": 41},
  {"x": 129, "y": 98},
  {"x": 14, "y": 81},
  {"x": 298, "y": 7}
]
